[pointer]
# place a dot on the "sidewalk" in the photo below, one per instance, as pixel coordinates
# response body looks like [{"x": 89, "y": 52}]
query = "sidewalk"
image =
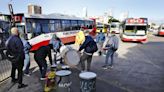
[{"x": 35, "y": 85}]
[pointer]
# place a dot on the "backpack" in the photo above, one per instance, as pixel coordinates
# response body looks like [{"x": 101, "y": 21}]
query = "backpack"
[{"x": 92, "y": 46}]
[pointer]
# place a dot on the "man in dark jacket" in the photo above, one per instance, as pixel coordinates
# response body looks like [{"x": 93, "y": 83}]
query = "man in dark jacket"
[
  {"x": 16, "y": 56},
  {"x": 40, "y": 57},
  {"x": 88, "y": 46}
]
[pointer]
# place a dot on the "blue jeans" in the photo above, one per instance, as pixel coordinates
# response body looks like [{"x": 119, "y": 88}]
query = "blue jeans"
[
  {"x": 110, "y": 53},
  {"x": 26, "y": 63}
]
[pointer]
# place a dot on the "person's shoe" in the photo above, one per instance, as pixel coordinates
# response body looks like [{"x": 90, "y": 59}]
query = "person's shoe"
[
  {"x": 42, "y": 79},
  {"x": 105, "y": 67},
  {"x": 27, "y": 74},
  {"x": 22, "y": 86},
  {"x": 14, "y": 80},
  {"x": 110, "y": 67}
]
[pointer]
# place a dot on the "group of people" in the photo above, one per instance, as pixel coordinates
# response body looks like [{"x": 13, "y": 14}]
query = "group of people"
[
  {"x": 18, "y": 53},
  {"x": 105, "y": 45}
]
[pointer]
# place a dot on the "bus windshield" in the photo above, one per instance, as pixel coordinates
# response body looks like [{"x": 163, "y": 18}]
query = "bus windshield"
[{"x": 135, "y": 30}]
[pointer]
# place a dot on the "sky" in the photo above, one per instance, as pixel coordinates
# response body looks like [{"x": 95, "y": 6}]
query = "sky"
[{"x": 152, "y": 9}]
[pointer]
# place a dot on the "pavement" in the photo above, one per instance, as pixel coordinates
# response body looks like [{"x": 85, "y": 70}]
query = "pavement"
[{"x": 137, "y": 68}]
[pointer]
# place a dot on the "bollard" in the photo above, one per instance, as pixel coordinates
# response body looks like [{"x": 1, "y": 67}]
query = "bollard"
[
  {"x": 63, "y": 83},
  {"x": 87, "y": 82}
]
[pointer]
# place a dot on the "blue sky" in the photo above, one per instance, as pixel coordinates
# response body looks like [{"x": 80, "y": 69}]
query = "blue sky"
[{"x": 153, "y": 9}]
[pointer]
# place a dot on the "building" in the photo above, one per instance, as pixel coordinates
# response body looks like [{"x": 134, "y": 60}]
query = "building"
[{"x": 34, "y": 9}]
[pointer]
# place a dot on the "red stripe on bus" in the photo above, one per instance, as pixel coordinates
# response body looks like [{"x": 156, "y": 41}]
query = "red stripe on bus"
[
  {"x": 161, "y": 33},
  {"x": 46, "y": 42},
  {"x": 133, "y": 40}
]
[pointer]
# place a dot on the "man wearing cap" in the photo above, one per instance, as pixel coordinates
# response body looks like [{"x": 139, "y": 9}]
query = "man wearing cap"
[{"x": 111, "y": 44}]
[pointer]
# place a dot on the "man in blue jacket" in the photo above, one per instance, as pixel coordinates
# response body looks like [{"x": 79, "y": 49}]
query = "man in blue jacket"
[
  {"x": 100, "y": 38},
  {"x": 15, "y": 53},
  {"x": 89, "y": 46}
]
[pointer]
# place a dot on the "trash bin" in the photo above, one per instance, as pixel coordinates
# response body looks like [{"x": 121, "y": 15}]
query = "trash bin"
[
  {"x": 63, "y": 81},
  {"x": 87, "y": 82}
]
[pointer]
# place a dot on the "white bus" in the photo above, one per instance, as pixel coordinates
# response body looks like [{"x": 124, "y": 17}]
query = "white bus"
[
  {"x": 115, "y": 26},
  {"x": 39, "y": 29},
  {"x": 161, "y": 30},
  {"x": 134, "y": 29}
]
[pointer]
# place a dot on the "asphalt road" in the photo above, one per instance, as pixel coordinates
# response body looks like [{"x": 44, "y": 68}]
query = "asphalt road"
[{"x": 137, "y": 68}]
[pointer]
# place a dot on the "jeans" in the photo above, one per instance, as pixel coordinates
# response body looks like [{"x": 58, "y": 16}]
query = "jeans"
[
  {"x": 26, "y": 63},
  {"x": 100, "y": 45},
  {"x": 83, "y": 58},
  {"x": 42, "y": 66},
  {"x": 110, "y": 53}
]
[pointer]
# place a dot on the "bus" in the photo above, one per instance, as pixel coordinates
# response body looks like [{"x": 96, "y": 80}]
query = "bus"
[
  {"x": 101, "y": 26},
  {"x": 134, "y": 29},
  {"x": 39, "y": 28},
  {"x": 161, "y": 30},
  {"x": 115, "y": 26}
]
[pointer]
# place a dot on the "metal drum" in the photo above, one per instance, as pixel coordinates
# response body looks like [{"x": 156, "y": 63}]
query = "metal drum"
[
  {"x": 87, "y": 82},
  {"x": 63, "y": 81},
  {"x": 71, "y": 56}
]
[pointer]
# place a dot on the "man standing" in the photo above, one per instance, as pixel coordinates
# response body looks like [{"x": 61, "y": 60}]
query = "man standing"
[
  {"x": 16, "y": 55},
  {"x": 100, "y": 38},
  {"x": 89, "y": 46},
  {"x": 40, "y": 58},
  {"x": 111, "y": 44}
]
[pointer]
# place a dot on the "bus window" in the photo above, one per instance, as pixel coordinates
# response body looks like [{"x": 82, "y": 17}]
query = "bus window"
[
  {"x": 36, "y": 29},
  {"x": 66, "y": 25},
  {"x": 141, "y": 30},
  {"x": 87, "y": 24},
  {"x": 58, "y": 25},
  {"x": 74, "y": 25},
  {"x": 81, "y": 23},
  {"x": 45, "y": 28},
  {"x": 91, "y": 24},
  {"x": 129, "y": 30},
  {"x": 52, "y": 27}
]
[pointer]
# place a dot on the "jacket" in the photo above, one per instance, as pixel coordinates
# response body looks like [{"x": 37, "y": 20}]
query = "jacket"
[
  {"x": 100, "y": 37},
  {"x": 86, "y": 45},
  {"x": 43, "y": 52},
  {"x": 26, "y": 45},
  {"x": 16, "y": 49},
  {"x": 112, "y": 41}
]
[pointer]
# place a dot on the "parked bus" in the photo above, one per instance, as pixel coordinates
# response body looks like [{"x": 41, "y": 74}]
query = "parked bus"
[
  {"x": 38, "y": 29},
  {"x": 115, "y": 26},
  {"x": 101, "y": 26},
  {"x": 134, "y": 29},
  {"x": 161, "y": 30}
]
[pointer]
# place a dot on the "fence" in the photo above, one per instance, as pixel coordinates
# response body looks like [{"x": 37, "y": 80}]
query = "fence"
[{"x": 5, "y": 67}]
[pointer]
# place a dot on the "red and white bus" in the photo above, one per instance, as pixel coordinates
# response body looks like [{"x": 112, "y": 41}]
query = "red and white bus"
[
  {"x": 161, "y": 30},
  {"x": 39, "y": 29},
  {"x": 134, "y": 29}
]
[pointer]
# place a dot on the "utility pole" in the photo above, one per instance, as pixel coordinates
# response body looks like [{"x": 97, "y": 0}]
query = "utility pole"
[{"x": 12, "y": 21}]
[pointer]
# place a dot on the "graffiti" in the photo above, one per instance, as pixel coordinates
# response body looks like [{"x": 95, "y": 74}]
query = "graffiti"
[{"x": 88, "y": 85}]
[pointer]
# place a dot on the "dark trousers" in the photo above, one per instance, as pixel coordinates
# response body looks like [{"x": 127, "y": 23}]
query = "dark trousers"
[
  {"x": 42, "y": 66},
  {"x": 18, "y": 67},
  {"x": 83, "y": 58}
]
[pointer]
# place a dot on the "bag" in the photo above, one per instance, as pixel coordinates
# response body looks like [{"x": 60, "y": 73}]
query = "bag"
[{"x": 93, "y": 46}]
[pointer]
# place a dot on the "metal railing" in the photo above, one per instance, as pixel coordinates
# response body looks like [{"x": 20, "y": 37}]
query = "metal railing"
[{"x": 5, "y": 67}]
